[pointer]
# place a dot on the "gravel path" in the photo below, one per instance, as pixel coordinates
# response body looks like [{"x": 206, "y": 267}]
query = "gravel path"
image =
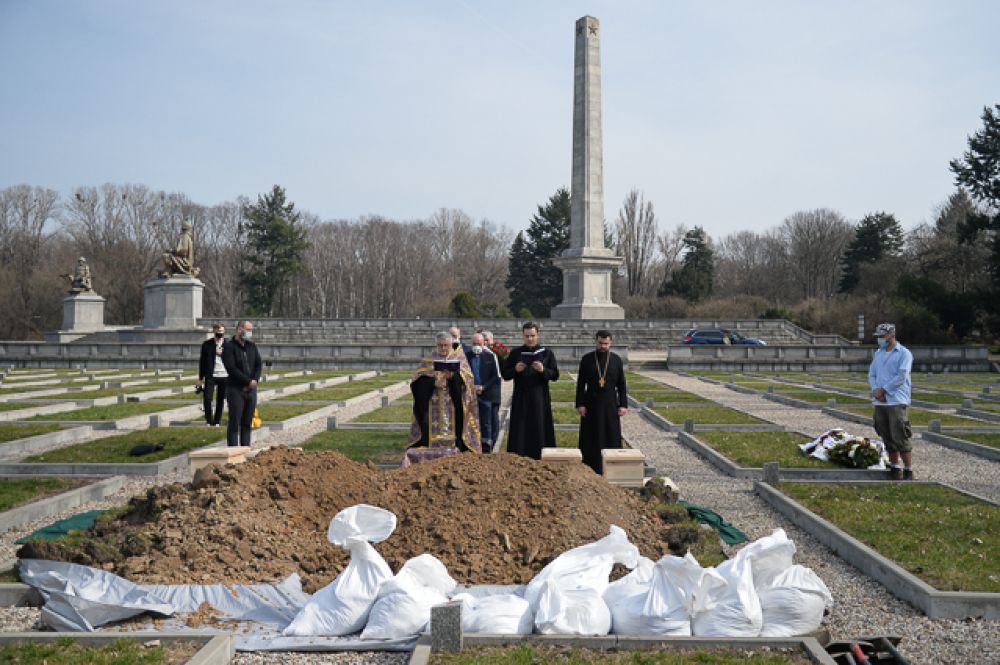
[{"x": 862, "y": 606}]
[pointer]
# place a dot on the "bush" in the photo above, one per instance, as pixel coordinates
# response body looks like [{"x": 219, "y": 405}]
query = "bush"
[
  {"x": 464, "y": 306},
  {"x": 645, "y": 307},
  {"x": 738, "y": 307}
]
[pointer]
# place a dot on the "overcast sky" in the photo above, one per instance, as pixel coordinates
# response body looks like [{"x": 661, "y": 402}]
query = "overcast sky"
[{"x": 729, "y": 115}]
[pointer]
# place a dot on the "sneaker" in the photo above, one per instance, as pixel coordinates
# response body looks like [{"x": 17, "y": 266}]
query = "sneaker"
[
  {"x": 907, "y": 474},
  {"x": 896, "y": 473}
]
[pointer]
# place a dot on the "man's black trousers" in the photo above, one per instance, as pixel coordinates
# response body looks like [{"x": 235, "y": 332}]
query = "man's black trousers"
[
  {"x": 241, "y": 406},
  {"x": 218, "y": 386}
]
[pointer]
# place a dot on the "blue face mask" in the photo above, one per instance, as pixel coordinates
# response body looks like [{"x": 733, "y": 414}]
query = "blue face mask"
[{"x": 882, "y": 342}]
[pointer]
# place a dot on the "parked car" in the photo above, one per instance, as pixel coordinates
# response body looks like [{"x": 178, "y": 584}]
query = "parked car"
[{"x": 719, "y": 336}]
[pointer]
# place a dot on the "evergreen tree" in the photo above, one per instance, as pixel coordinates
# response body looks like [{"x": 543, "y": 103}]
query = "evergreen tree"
[
  {"x": 693, "y": 280},
  {"x": 464, "y": 306},
  {"x": 876, "y": 236},
  {"x": 534, "y": 283},
  {"x": 978, "y": 171},
  {"x": 277, "y": 243}
]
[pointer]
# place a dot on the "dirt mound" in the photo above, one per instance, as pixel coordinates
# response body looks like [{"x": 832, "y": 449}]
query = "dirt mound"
[{"x": 490, "y": 518}]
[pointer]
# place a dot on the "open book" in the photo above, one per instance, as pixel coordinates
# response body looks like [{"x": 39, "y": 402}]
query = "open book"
[
  {"x": 539, "y": 354},
  {"x": 449, "y": 365}
]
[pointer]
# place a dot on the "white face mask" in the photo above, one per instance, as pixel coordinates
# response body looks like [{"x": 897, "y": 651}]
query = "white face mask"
[
  {"x": 477, "y": 349},
  {"x": 248, "y": 335}
]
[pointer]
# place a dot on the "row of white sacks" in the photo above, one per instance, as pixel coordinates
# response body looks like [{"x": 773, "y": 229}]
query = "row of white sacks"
[{"x": 759, "y": 592}]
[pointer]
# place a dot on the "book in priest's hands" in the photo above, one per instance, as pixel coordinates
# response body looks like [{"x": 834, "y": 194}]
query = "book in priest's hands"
[
  {"x": 449, "y": 365},
  {"x": 539, "y": 354}
]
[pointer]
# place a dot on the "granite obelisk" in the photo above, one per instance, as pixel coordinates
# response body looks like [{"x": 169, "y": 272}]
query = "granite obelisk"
[{"x": 587, "y": 264}]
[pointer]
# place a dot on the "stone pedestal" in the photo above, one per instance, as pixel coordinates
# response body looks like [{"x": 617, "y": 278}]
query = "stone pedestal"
[
  {"x": 172, "y": 302},
  {"x": 587, "y": 285},
  {"x": 83, "y": 312}
]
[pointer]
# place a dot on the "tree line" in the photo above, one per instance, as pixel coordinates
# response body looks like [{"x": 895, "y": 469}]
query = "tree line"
[{"x": 940, "y": 281}]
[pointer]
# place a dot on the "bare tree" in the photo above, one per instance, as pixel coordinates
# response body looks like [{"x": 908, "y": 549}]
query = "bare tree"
[
  {"x": 25, "y": 214},
  {"x": 671, "y": 246},
  {"x": 816, "y": 240},
  {"x": 635, "y": 240}
]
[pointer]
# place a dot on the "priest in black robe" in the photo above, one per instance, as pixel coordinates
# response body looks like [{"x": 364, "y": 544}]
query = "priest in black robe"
[
  {"x": 602, "y": 400},
  {"x": 530, "y": 427}
]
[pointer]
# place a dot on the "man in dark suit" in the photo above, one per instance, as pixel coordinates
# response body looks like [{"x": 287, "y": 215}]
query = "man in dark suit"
[
  {"x": 486, "y": 371},
  {"x": 243, "y": 364},
  {"x": 212, "y": 374}
]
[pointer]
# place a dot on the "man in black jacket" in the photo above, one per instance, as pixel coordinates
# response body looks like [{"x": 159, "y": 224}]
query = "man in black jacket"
[
  {"x": 242, "y": 362},
  {"x": 212, "y": 374}
]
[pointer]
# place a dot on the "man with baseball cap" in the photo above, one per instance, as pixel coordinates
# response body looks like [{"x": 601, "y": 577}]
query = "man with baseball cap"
[{"x": 889, "y": 378}]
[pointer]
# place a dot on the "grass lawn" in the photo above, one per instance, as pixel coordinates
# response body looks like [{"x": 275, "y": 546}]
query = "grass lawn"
[
  {"x": 565, "y": 415},
  {"x": 553, "y": 655},
  {"x": 667, "y": 396},
  {"x": 938, "y": 398},
  {"x": 754, "y": 449},
  {"x": 401, "y": 413},
  {"x": 12, "y": 432},
  {"x": 385, "y": 446},
  {"x": 341, "y": 391},
  {"x": 943, "y": 537},
  {"x": 991, "y": 440},
  {"x": 920, "y": 417},
  {"x": 17, "y": 491},
  {"x": 563, "y": 440},
  {"x": 986, "y": 406},
  {"x": 563, "y": 390},
  {"x": 715, "y": 415},
  {"x": 114, "y": 449},
  {"x": 66, "y": 651},
  {"x": 272, "y": 412},
  {"x": 818, "y": 397},
  {"x": 109, "y": 412},
  {"x": 14, "y": 406}
]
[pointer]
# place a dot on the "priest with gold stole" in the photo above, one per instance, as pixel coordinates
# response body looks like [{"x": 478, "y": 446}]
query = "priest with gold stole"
[
  {"x": 445, "y": 407},
  {"x": 601, "y": 400}
]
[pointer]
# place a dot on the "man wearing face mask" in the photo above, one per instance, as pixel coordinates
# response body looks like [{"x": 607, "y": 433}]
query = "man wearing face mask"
[
  {"x": 243, "y": 364},
  {"x": 889, "y": 378},
  {"x": 457, "y": 343},
  {"x": 212, "y": 374},
  {"x": 486, "y": 372}
]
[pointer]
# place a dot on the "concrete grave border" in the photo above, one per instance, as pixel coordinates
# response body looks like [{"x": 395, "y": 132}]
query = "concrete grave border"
[
  {"x": 67, "y": 500},
  {"x": 216, "y": 649},
  {"x": 17, "y": 448},
  {"x": 809, "y": 645},
  {"x": 981, "y": 415},
  {"x": 162, "y": 467},
  {"x": 961, "y": 444},
  {"x": 901, "y": 583},
  {"x": 866, "y": 420},
  {"x": 731, "y": 468},
  {"x": 665, "y": 424}
]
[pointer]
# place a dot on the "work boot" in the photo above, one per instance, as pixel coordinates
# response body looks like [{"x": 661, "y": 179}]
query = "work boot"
[
  {"x": 895, "y": 473},
  {"x": 907, "y": 474}
]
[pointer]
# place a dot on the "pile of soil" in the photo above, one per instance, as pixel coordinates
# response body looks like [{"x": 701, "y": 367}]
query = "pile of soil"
[{"x": 491, "y": 519}]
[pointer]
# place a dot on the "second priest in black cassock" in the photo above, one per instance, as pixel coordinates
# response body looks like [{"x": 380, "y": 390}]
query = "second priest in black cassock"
[
  {"x": 601, "y": 399},
  {"x": 530, "y": 425}
]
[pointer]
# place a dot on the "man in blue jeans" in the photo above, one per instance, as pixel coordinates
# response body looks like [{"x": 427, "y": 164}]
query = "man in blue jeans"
[
  {"x": 486, "y": 371},
  {"x": 889, "y": 379}
]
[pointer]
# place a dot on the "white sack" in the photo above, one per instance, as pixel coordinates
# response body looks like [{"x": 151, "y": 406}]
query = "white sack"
[
  {"x": 503, "y": 614},
  {"x": 665, "y": 606},
  {"x": 404, "y": 603},
  {"x": 635, "y": 583},
  {"x": 732, "y": 609},
  {"x": 794, "y": 603},
  {"x": 588, "y": 566},
  {"x": 769, "y": 557},
  {"x": 342, "y": 606},
  {"x": 579, "y": 611}
]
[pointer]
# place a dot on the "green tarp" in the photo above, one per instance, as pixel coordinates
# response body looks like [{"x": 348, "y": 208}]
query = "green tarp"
[
  {"x": 59, "y": 529},
  {"x": 730, "y": 535}
]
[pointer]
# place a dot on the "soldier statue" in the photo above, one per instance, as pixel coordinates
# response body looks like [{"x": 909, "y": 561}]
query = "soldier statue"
[
  {"x": 80, "y": 280},
  {"x": 180, "y": 261}
]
